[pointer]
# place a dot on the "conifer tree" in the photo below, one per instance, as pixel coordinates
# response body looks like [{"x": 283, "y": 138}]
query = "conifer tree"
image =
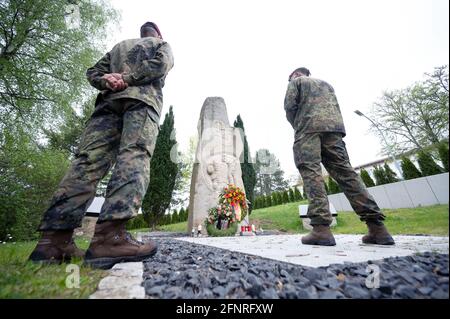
[
  {"x": 391, "y": 176},
  {"x": 163, "y": 172},
  {"x": 380, "y": 175},
  {"x": 291, "y": 195},
  {"x": 258, "y": 202},
  {"x": 443, "y": 154},
  {"x": 269, "y": 201},
  {"x": 410, "y": 170},
  {"x": 247, "y": 167},
  {"x": 333, "y": 186},
  {"x": 182, "y": 215},
  {"x": 427, "y": 165},
  {"x": 285, "y": 198},
  {"x": 298, "y": 196},
  {"x": 367, "y": 180},
  {"x": 175, "y": 217}
]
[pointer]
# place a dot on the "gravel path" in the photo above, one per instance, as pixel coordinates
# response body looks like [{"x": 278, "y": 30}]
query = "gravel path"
[{"x": 190, "y": 271}]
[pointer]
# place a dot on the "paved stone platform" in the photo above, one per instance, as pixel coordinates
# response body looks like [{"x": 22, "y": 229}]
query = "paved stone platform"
[
  {"x": 279, "y": 266},
  {"x": 349, "y": 248}
]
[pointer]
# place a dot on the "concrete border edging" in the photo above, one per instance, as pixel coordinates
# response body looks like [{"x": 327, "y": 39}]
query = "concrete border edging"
[
  {"x": 423, "y": 191},
  {"x": 123, "y": 282}
]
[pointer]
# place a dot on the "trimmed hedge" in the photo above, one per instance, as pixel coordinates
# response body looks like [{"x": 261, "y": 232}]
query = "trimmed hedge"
[
  {"x": 214, "y": 232},
  {"x": 137, "y": 222}
]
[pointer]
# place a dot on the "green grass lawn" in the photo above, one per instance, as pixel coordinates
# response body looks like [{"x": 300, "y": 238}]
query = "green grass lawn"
[
  {"x": 178, "y": 228},
  {"x": 431, "y": 220},
  {"x": 22, "y": 279},
  {"x": 283, "y": 218}
]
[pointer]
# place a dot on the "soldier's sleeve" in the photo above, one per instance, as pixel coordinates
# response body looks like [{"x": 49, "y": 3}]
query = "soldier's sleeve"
[
  {"x": 152, "y": 69},
  {"x": 291, "y": 101},
  {"x": 94, "y": 74}
]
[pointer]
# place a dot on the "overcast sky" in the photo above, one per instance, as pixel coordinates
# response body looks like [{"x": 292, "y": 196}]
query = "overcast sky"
[{"x": 244, "y": 50}]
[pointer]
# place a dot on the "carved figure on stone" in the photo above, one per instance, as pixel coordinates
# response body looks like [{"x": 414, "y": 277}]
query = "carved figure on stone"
[{"x": 217, "y": 162}]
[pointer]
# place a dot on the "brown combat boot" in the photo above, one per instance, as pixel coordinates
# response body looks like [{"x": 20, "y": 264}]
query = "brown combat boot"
[
  {"x": 112, "y": 244},
  {"x": 320, "y": 235},
  {"x": 378, "y": 235},
  {"x": 55, "y": 247}
]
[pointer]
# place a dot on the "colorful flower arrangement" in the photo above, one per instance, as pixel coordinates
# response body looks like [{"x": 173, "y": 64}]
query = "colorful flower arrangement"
[
  {"x": 222, "y": 213},
  {"x": 231, "y": 209}
]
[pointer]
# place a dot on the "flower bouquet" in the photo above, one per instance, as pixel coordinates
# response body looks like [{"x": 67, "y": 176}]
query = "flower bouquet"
[{"x": 232, "y": 208}]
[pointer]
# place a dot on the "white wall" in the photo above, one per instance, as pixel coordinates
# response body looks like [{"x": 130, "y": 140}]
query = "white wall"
[
  {"x": 97, "y": 204},
  {"x": 423, "y": 191}
]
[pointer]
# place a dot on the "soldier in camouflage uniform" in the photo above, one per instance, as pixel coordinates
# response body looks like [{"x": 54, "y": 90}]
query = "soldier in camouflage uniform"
[
  {"x": 122, "y": 132},
  {"x": 313, "y": 111}
]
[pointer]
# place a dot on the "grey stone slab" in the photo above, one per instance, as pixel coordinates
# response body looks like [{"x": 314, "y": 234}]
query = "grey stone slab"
[
  {"x": 420, "y": 192},
  {"x": 439, "y": 185}
]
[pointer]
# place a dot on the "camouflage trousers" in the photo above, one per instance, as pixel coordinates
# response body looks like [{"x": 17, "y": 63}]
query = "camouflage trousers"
[
  {"x": 121, "y": 133},
  {"x": 329, "y": 149}
]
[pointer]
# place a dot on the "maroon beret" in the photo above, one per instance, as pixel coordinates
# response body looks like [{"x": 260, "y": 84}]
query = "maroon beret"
[{"x": 152, "y": 25}]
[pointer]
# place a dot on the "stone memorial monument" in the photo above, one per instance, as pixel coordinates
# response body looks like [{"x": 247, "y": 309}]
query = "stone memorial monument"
[{"x": 217, "y": 161}]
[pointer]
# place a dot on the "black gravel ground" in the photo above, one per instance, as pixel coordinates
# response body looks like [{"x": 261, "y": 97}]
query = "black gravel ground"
[{"x": 190, "y": 271}]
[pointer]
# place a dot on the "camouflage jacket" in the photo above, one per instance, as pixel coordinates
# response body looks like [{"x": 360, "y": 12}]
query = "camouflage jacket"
[
  {"x": 144, "y": 63},
  {"x": 311, "y": 106}
]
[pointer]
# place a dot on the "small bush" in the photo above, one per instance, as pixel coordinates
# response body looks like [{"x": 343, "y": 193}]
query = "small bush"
[{"x": 214, "y": 232}]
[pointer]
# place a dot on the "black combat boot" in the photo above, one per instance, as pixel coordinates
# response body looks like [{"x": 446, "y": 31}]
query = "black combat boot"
[
  {"x": 112, "y": 244},
  {"x": 55, "y": 247},
  {"x": 378, "y": 234},
  {"x": 320, "y": 235}
]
